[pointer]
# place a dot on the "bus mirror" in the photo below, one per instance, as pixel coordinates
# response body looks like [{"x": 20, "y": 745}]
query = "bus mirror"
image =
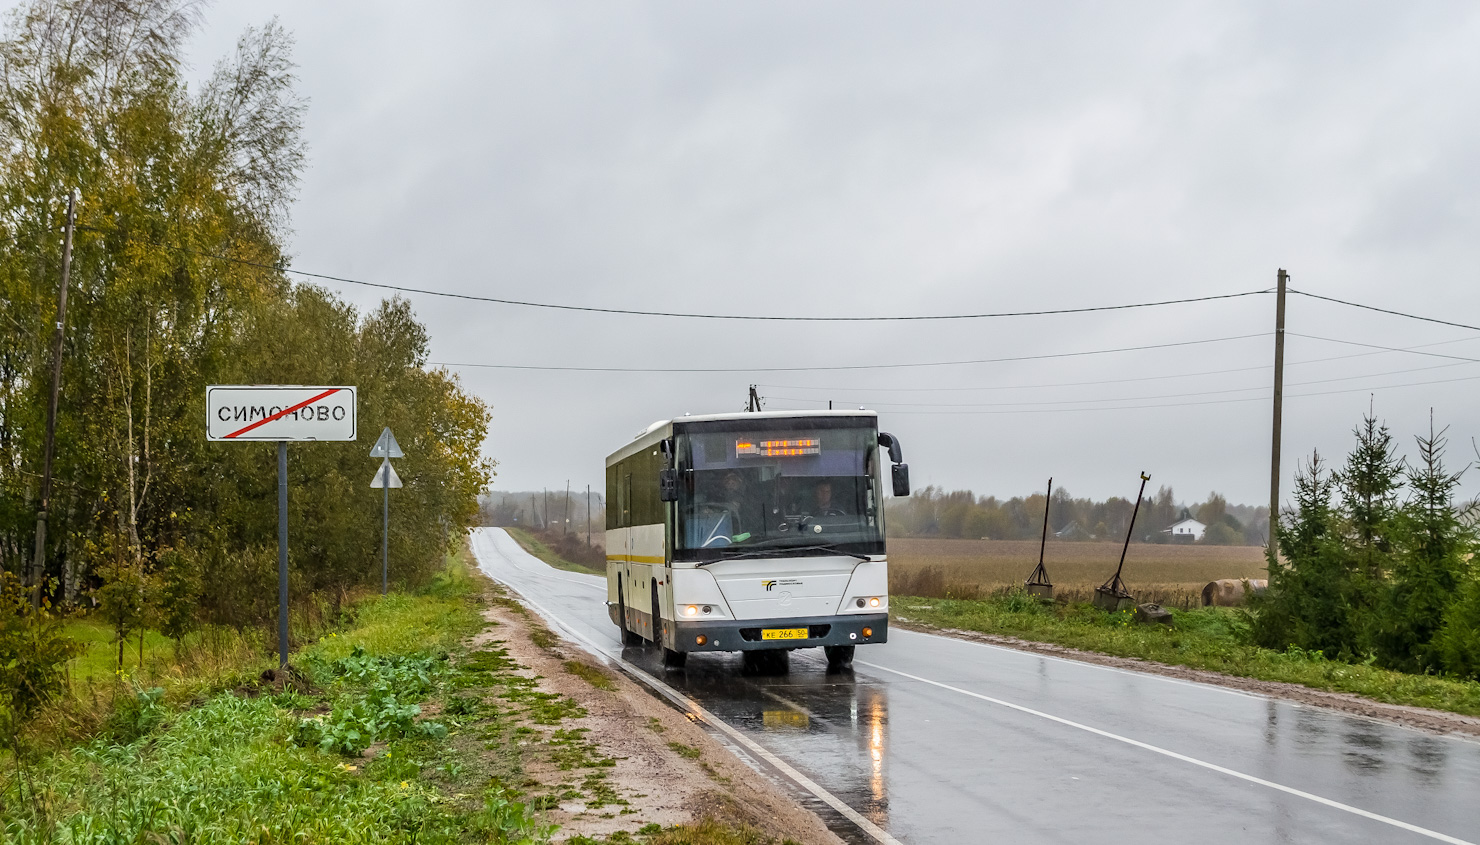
[
  {"x": 901, "y": 474},
  {"x": 890, "y": 442},
  {"x": 668, "y": 485}
]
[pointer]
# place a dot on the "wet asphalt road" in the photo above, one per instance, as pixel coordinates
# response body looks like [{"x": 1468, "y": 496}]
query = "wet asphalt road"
[{"x": 940, "y": 740}]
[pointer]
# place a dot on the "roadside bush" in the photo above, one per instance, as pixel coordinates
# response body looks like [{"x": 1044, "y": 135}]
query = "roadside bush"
[
  {"x": 33, "y": 652},
  {"x": 177, "y": 593},
  {"x": 136, "y": 715}
]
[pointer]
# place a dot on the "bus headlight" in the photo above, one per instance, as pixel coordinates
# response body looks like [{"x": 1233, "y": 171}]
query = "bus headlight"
[
  {"x": 691, "y": 610},
  {"x": 873, "y": 602}
]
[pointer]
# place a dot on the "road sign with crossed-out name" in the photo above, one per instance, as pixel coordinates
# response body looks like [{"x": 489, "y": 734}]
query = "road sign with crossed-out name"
[{"x": 279, "y": 412}]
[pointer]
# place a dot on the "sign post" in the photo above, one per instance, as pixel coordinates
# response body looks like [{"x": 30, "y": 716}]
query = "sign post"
[
  {"x": 281, "y": 413},
  {"x": 385, "y": 448}
]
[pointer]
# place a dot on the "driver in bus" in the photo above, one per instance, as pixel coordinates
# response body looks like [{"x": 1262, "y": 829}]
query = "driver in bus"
[
  {"x": 733, "y": 494},
  {"x": 822, "y": 500}
]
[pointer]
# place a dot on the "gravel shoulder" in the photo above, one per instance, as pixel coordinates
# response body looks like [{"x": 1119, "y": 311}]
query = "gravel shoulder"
[
  {"x": 1432, "y": 721},
  {"x": 667, "y": 769}
]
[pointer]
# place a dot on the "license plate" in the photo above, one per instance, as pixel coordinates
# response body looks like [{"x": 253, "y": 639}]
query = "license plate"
[{"x": 784, "y": 634}]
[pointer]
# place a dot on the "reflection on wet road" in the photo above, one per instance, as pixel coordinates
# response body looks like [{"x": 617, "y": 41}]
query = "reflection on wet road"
[{"x": 939, "y": 740}]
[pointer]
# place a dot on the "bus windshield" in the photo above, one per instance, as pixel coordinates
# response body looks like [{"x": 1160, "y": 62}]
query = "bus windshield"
[{"x": 804, "y": 486}]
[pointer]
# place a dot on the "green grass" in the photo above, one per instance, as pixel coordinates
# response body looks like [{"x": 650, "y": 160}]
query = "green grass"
[
  {"x": 402, "y": 736},
  {"x": 593, "y": 676},
  {"x": 236, "y": 768},
  {"x": 532, "y": 544},
  {"x": 99, "y": 658},
  {"x": 682, "y": 750},
  {"x": 1216, "y": 639}
]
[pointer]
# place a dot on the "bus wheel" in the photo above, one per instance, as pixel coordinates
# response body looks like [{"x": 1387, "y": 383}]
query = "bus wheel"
[
  {"x": 628, "y": 637},
  {"x": 838, "y": 656},
  {"x": 657, "y": 616},
  {"x": 674, "y": 659}
]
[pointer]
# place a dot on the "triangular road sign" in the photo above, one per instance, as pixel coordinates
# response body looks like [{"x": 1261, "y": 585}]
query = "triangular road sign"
[
  {"x": 379, "y": 481},
  {"x": 386, "y": 446}
]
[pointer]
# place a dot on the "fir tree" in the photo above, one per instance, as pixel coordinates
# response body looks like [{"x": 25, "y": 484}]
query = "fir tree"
[
  {"x": 1310, "y": 590},
  {"x": 1432, "y": 544},
  {"x": 1457, "y": 645},
  {"x": 1369, "y": 485}
]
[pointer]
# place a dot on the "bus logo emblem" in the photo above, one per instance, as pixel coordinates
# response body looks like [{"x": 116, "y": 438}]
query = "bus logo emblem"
[{"x": 768, "y": 585}]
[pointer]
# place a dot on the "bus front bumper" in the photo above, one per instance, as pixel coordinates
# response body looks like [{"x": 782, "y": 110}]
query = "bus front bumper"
[{"x": 751, "y": 634}]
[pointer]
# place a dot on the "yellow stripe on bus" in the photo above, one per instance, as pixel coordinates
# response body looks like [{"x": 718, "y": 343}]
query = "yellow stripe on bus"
[{"x": 636, "y": 558}]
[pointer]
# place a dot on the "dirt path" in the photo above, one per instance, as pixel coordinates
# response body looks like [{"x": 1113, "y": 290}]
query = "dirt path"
[
  {"x": 665, "y": 770},
  {"x": 1433, "y": 721}
]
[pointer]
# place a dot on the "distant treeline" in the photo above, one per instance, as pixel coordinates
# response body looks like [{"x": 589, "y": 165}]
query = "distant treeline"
[
  {"x": 933, "y": 512},
  {"x": 539, "y": 510}
]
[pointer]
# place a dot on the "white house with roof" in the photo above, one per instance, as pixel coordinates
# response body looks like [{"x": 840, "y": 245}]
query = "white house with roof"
[{"x": 1186, "y": 529}]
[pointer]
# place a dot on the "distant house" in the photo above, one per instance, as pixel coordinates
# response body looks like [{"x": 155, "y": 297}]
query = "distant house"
[
  {"x": 1186, "y": 529},
  {"x": 1072, "y": 531}
]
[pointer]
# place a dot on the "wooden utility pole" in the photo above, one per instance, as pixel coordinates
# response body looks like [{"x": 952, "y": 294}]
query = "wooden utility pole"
[
  {"x": 38, "y": 563},
  {"x": 588, "y": 516},
  {"x": 1279, "y": 397},
  {"x": 753, "y": 402},
  {"x": 565, "y": 529}
]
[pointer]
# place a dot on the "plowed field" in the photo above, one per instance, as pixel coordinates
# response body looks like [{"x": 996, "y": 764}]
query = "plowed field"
[{"x": 1169, "y": 574}]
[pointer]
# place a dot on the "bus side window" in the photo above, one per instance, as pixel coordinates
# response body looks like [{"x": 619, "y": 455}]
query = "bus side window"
[{"x": 627, "y": 500}]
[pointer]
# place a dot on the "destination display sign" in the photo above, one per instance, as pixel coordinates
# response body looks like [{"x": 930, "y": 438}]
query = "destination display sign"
[{"x": 280, "y": 412}]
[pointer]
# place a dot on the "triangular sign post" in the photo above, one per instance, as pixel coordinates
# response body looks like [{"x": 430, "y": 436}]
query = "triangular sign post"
[
  {"x": 385, "y": 477},
  {"x": 386, "y": 446}
]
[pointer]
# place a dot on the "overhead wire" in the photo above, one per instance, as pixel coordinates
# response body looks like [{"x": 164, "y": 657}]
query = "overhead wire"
[
  {"x": 1096, "y": 382},
  {"x": 1409, "y": 350},
  {"x": 788, "y": 318},
  {"x": 1383, "y": 310},
  {"x": 1179, "y": 404},
  {"x": 1264, "y": 388},
  {"x": 847, "y": 366}
]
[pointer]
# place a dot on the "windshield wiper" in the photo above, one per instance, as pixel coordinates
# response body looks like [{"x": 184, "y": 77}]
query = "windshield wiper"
[{"x": 787, "y": 551}]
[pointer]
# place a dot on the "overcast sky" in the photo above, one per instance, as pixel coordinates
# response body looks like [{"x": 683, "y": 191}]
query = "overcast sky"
[{"x": 860, "y": 159}]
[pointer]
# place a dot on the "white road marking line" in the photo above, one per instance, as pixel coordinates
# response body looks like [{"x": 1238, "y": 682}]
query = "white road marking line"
[
  {"x": 1088, "y": 665},
  {"x": 693, "y": 707},
  {"x": 1422, "y": 831}
]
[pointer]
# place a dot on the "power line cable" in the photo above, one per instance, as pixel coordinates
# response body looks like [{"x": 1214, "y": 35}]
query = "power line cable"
[
  {"x": 1409, "y": 350},
  {"x": 1384, "y": 310},
  {"x": 789, "y": 318},
  {"x": 1176, "y": 404},
  {"x": 1096, "y": 382},
  {"x": 844, "y": 366},
  {"x": 1264, "y": 388}
]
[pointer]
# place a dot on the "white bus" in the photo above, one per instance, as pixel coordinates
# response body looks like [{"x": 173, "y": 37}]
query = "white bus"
[{"x": 754, "y": 532}]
